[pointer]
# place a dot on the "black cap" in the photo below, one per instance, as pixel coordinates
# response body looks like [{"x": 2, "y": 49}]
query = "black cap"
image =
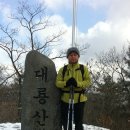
[{"x": 73, "y": 49}]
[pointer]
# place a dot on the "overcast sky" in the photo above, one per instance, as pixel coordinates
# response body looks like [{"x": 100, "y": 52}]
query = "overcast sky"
[{"x": 100, "y": 23}]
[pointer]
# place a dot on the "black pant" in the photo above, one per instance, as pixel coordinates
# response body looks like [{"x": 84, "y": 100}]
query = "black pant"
[{"x": 78, "y": 115}]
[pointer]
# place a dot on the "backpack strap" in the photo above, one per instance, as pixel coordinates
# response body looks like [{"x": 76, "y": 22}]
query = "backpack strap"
[
  {"x": 64, "y": 70},
  {"x": 82, "y": 70}
]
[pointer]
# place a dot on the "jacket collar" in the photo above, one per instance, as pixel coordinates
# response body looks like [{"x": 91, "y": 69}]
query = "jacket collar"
[{"x": 76, "y": 65}]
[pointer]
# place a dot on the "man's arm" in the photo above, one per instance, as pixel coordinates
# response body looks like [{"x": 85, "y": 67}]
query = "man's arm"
[
  {"x": 59, "y": 80},
  {"x": 87, "y": 79}
]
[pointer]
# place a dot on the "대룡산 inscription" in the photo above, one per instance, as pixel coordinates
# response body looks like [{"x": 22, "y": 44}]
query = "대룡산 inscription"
[{"x": 40, "y": 97}]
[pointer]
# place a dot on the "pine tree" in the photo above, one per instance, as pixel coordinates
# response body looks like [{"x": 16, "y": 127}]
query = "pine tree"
[{"x": 127, "y": 80}]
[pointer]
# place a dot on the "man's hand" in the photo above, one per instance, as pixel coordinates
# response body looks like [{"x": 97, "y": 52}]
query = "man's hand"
[{"x": 71, "y": 82}]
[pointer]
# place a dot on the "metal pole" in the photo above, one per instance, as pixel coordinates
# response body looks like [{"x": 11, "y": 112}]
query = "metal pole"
[
  {"x": 72, "y": 103},
  {"x": 74, "y": 22},
  {"x": 71, "y": 99},
  {"x": 71, "y": 107},
  {"x": 68, "y": 123}
]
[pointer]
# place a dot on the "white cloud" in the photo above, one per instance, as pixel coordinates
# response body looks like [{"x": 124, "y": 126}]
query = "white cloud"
[
  {"x": 101, "y": 37},
  {"x": 94, "y": 3},
  {"x": 59, "y": 24},
  {"x": 56, "y": 5},
  {"x": 119, "y": 9},
  {"x": 105, "y": 35},
  {"x": 114, "y": 9},
  {"x": 113, "y": 31},
  {"x": 4, "y": 57}
]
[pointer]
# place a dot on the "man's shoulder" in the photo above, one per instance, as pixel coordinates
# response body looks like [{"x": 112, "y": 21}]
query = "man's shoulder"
[
  {"x": 85, "y": 67},
  {"x": 82, "y": 65},
  {"x": 63, "y": 67}
]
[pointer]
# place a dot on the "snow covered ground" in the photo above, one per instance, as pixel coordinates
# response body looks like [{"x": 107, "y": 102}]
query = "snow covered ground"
[{"x": 17, "y": 126}]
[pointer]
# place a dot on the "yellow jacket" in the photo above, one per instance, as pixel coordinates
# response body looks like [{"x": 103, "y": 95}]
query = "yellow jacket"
[{"x": 75, "y": 72}]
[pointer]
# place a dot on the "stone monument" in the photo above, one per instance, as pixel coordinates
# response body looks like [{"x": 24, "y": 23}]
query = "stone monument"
[{"x": 40, "y": 97}]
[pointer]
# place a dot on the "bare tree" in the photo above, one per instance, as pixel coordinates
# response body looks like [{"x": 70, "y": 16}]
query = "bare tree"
[
  {"x": 13, "y": 49},
  {"x": 107, "y": 74},
  {"x": 2, "y": 74},
  {"x": 110, "y": 63},
  {"x": 33, "y": 19}
]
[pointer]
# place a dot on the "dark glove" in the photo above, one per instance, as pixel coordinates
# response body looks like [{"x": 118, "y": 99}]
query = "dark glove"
[{"x": 71, "y": 82}]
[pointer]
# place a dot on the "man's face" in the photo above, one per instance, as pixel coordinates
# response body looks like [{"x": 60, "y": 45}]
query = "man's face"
[{"x": 73, "y": 58}]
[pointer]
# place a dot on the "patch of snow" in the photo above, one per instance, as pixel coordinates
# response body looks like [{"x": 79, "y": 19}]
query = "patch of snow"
[{"x": 17, "y": 126}]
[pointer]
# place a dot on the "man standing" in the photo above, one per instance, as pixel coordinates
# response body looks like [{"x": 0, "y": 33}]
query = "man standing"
[{"x": 73, "y": 79}]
